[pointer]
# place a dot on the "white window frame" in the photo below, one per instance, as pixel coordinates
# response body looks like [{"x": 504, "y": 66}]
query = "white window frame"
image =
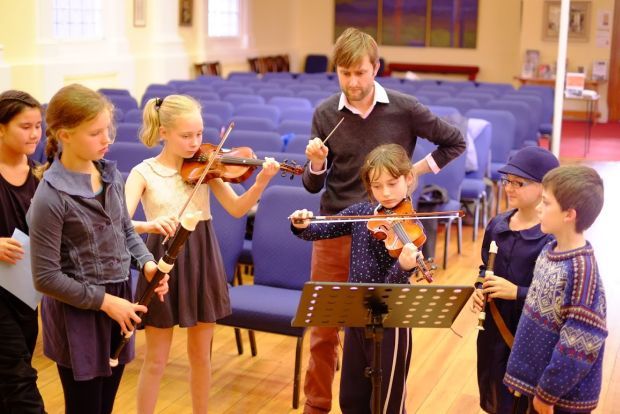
[{"x": 75, "y": 13}]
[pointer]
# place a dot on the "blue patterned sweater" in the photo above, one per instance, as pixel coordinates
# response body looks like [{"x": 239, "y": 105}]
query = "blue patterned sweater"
[
  {"x": 370, "y": 260},
  {"x": 558, "y": 349}
]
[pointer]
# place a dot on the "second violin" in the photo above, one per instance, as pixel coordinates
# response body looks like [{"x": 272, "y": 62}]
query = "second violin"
[{"x": 233, "y": 165}]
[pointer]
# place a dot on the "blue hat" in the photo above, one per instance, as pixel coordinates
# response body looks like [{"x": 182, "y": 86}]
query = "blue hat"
[{"x": 531, "y": 163}]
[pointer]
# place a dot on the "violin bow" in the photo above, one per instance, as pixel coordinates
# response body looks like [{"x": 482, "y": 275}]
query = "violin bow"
[
  {"x": 188, "y": 224},
  {"x": 384, "y": 217},
  {"x": 333, "y": 130},
  {"x": 204, "y": 172}
]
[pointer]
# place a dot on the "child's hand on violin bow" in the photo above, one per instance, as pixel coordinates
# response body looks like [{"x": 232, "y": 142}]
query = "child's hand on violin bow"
[
  {"x": 270, "y": 168},
  {"x": 408, "y": 257},
  {"x": 300, "y": 218}
]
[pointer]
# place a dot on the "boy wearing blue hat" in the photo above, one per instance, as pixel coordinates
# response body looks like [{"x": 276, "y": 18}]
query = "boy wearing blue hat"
[
  {"x": 557, "y": 358},
  {"x": 519, "y": 238}
]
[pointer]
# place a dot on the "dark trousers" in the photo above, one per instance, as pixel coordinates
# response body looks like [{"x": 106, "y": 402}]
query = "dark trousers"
[
  {"x": 18, "y": 336},
  {"x": 95, "y": 396},
  {"x": 356, "y": 388}
]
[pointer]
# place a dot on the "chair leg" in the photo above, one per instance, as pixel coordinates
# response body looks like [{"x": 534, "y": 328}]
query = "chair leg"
[
  {"x": 252, "y": 343},
  {"x": 446, "y": 243},
  {"x": 459, "y": 234},
  {"x": 238, "y": 341},
  {"x": 476, "y": 219},
  {"x": 485, "y": 210},
  {"x": 297, "y": 375}
]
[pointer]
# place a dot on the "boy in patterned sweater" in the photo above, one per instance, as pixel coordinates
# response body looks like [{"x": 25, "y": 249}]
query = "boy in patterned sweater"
[{"x": 557, "y": 355}]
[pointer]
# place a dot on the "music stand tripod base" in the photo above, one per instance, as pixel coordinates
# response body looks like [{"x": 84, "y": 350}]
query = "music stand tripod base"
[{"x": 377, "y": 306}]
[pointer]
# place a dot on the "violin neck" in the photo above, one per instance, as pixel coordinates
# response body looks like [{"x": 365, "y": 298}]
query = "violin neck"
[{"x": 241, "y": 161}]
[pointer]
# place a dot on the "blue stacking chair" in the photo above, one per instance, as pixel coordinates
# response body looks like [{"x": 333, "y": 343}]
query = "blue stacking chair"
[
  {"x": 230, "y": 233},
  {"x": 522, "y": 114},
  {"x": 253, "y": 123},
  {"x": 278, "y": 76},
  {"x": 462, "y": 104},
  {"x": 481, "y": 97},
  {"x": 240, "y": 90},
  {"x": 536, "y": 113},
  {"x": 315, "y": 97},
  {"x": 133, "y": 116},
  {"x": 180, "y": 84},
  {"x": 128, "y": 154},
  {"x": 272, "y": 91},
  {"x": 306, "y": 86},
  {"x": 474, "y": 185},
  {"x": 123, "y": 102},
  {"x": 294, "y": 127},
  {"x": 316, "y": 64},
  {"x": 220, "y": 108},
  {"x": 238, "y": 99},
  {"x": 297, "y": 144},
  {"x": 499, "y": 88},
  {"x": 269, "y": 112},
  {"x": 433, "y": 96},
  {"x": 440, "y": 110},
  {"x": 288, "y": 103},
  {"x": 281, "y": 267},
  {"x": 451, "y": 179},
  {"x": 128, "y": 132},
  {"x": 113, "y": 91},
  {"x": 221, "y": 83},
  {"x": 503, "y": 132},
  {"x": 188, "y": 88},
  {"x": 438, "y": 88},
  {"x": 257, "y": 140},
  {"x": 211, "y": 134},
  {"x": 212, "y": 120},
  {"x": 242, "y": 77},
  {"x": 297, "y": 114},
  {"x": 203, "y": 95}
]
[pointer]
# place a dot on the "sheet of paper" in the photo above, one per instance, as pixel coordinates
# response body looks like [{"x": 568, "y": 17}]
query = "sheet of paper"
[{"x": 17, "y": 278}]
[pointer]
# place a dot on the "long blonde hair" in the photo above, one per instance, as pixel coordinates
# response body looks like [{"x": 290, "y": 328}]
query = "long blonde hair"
[
  {"x": 164, "y": 112},
  {"x": 71, "y": 106}
]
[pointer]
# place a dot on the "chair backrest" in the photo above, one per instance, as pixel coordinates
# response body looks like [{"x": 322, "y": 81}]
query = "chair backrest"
[
  {"x": 257, "y": 140},
  {"x": 241, "y": 90},
  {"x": 450, "y": 177},
  {"x": 522, "y": 115},
  {"x": 297, "y": 114},
  {"x": 128, "y": 132},
  {"x": 259, "y": 110},
  {"x": 482, "y": 141},
  {"x": 203, "y": 95},
  {"x": 243, "y": 77},
  {"x": 280, "y": 258},
  {"x": 211, "y": 120},
  {"x": 297, "y": 144},
  {"x": 462, "y": 104},
  {"x": 295, "y": 127},
  {"x": 287, "y": 103},
  {"x": 113, "y": 91},
  {"x": 133, "y": 116},
  {"x": 124, "y": 102},
  {"x": 230, "y": 232},
  {"x": 306, "y": 86},
  {"x": 238, "y": 99},
  {"x": 503, "y": 130},
  {"x": 253, "y": 123},
  {"x": 440, "y": 110},
  {"x": 274, "y": 90},
  {"x": 315, "y": 64},
  {"x": 128, "y": 154},
  {"x": 433, "y": 96},
  {"x": 481, "y": 97},
  {"x": 220, "y": 108},
  {"x": 315, "y": 97}
]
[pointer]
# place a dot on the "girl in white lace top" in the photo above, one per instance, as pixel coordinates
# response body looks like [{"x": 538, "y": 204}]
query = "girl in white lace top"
[{"x": 198, "y": 290}]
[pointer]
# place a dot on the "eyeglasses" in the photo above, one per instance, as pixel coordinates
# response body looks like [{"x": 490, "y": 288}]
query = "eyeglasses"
[{"x": 514, "y": 184}]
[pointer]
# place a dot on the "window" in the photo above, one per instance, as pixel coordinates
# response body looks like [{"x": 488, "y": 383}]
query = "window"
[
  {"x": 223, "y": 18},
  {"x": 77, "y": 19}
]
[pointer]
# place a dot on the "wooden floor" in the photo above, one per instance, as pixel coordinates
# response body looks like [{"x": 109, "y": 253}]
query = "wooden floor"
[{"x": 442, "y": 378}]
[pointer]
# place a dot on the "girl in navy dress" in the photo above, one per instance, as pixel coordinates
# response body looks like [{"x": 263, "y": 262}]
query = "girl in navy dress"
[{"x": 519, "y": 239}]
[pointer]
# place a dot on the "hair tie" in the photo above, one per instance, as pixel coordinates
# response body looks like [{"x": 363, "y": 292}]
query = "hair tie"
[{"x": 158, "y": 102}]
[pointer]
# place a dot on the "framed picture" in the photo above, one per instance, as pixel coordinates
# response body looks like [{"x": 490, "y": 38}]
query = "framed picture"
[
  {"x": 578, "y": 21},
  {"x": 186, "y": 12},
  {"x": 139, "y": 13}
]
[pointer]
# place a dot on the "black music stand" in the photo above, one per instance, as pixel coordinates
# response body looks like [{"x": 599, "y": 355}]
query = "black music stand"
[{"x": 378, "y": 306}]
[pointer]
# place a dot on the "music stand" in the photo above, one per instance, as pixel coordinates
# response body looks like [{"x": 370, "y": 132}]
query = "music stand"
[{"x": 377, "y": 306}]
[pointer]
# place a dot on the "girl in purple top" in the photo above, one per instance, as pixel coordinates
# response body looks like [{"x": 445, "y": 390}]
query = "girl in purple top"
[{"x": 20, "y": 132}]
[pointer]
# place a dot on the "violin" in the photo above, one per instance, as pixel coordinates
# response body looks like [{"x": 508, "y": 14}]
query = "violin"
[
  {"x": 233, "y": 165},
  {"x": 395, "y": 233}
]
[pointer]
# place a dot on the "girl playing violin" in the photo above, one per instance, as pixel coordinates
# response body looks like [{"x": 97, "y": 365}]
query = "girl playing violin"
[
  {"x": 84, "y": 243},
  {"x": 198, "y": 290},
  {"x": 388, "y": 177}
]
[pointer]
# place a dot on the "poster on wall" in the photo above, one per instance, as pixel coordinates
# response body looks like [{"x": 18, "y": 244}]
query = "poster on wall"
[{"x": 578, "y": 20}]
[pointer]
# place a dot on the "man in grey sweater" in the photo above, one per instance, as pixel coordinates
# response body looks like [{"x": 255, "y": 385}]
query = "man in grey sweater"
[{"x": 372, "y": 116}]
